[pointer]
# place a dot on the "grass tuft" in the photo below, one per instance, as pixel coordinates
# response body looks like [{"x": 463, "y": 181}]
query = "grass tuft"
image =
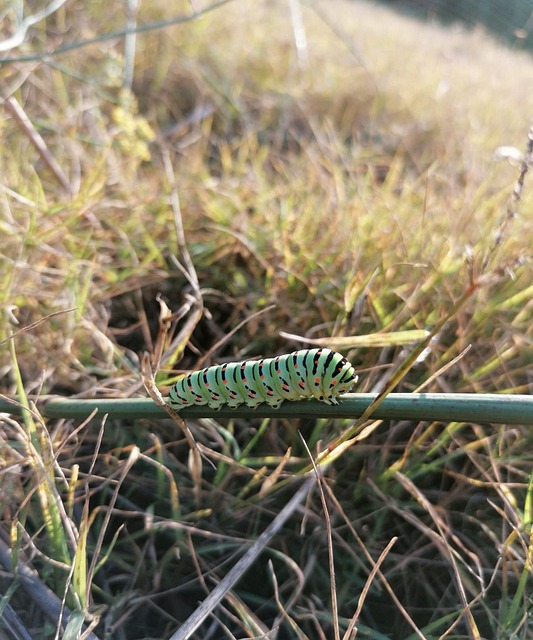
[{"x": 239, "y": 193}]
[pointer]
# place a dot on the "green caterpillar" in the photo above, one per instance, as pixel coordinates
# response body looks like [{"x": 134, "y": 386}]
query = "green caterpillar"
[{"x": 310, "y": 373}]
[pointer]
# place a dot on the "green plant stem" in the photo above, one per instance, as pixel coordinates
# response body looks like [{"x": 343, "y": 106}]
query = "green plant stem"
[{"x": 444, "y": 407}]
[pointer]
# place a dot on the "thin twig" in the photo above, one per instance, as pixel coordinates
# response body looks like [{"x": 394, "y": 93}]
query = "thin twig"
[
  {"x": 113, "y": 35},
  {"x": 18, "y": 37}
]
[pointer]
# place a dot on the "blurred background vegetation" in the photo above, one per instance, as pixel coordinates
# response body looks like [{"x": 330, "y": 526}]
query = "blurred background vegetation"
[
  {"x": 322, "y": 169},
  {"x": 510, "y": 20}
]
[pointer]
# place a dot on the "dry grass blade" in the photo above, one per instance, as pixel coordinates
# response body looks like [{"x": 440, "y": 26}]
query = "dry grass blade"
[
  {"x": 284, "y": 614},
  {"x": 37, "y": 141},
  {"x": 176, "y": 348},
  {"x": 374, "y": 565},
  {"x": 230, "y": 579},
  {"x": 397, "y": 377},
  {"x": 35, "y": 324},
  {"x": 385, "y": 339},
  {"x": 331, "y": 558},
  {"x": 446, "y": 548},
  {"x": 256, "y": 629},
  {"x": 54, "y": 609},
  {"x": 231, "y": 333},
  {"x": 286, "y": 607},
  {"x": 195, "y": 459},
  {"x": 351, "y": 631}
]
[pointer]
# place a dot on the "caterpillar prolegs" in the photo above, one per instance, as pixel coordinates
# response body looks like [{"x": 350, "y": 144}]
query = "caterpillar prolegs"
[{"x": 309, "y": 373}]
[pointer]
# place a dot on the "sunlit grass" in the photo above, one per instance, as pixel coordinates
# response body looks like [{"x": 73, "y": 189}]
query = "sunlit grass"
[{"x": 356, "y": 190}]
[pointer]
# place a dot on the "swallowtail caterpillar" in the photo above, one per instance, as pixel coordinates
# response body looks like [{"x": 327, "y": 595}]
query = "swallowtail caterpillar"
[{"x": 309, "y": 373}]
